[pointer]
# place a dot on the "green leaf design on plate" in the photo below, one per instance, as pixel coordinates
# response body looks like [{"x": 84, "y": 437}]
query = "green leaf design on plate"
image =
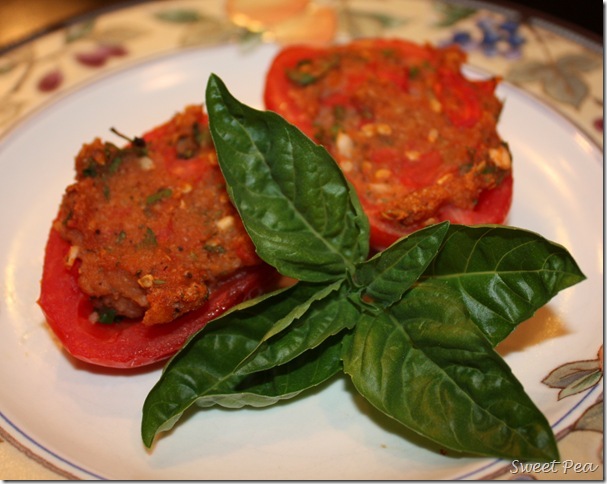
[
  {"x": 579, "y": 62},
  {"x": 179, "y": 15},
  {"x": 451, "y": 13},
  {"x": 592, "y": 419},
  {"x": 561, "y": 79},
  {"x": 79, "y": 31},
  {"x": 574, "y": 377}
]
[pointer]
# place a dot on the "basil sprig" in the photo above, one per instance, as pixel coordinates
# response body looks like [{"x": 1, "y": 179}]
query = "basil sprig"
[{"x": 414, "y": 326}]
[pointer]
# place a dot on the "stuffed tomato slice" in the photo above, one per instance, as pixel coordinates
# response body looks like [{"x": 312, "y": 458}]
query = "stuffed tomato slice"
[
  {"x": 128, "y": 343},
  {"x": 417, "y": 139},
  {"x": 146, "y": 248}
]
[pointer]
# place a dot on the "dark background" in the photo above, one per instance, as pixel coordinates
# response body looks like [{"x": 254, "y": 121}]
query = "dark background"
[{"x": 22, "y": 19}]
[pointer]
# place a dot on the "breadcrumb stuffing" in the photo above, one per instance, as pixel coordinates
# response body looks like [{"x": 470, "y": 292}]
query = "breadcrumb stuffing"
[
  {"x": 150, "y": 224},
  {"x": 412, "y": 134}
]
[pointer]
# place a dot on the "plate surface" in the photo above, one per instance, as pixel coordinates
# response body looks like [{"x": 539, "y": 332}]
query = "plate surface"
[{"x": 84, "y": 422}]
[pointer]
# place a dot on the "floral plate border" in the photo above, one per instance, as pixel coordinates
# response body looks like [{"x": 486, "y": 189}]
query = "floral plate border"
[{"x": 561, "y": 68}]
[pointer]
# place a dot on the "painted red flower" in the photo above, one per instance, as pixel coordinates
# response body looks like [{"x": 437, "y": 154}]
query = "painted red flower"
[
  {"x": 98, "y": 56},
  {"x": 51, "y": 80}
]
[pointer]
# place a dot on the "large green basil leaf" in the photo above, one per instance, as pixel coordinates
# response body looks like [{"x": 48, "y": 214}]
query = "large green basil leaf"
[
  {"x": 503, "y": 274},
  {"x": 296, "y": 204},
  {"x": 384, "y": 278},
  {"x": 283, "y": 382},
  {"x": 426, "y": 364},
  {"x": 308, "y": 370},
  {"x": 319, "y": 320},
  {"x": 207, "y": 370}
]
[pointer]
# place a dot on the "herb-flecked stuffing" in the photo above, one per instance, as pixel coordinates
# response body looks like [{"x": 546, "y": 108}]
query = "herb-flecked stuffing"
[
  {"x": 416, "y": 138},
  {"x": 150, "y": 225}
]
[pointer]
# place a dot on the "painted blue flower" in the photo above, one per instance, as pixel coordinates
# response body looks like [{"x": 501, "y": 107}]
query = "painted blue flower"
[{"x": 492, "y": 38}]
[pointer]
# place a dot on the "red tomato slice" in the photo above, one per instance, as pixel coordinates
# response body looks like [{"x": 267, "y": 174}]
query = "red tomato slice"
[
  {"x": 492, "y": 208},
  {"x": 278, "y": 94},
  {"x": 458, "y": 97},
  {"x": 278, "y": 86},
  {"x": 129, "y": 344}
]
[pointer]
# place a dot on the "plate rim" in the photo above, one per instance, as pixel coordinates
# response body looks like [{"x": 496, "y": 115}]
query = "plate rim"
[{"x": 22, "y": 122}]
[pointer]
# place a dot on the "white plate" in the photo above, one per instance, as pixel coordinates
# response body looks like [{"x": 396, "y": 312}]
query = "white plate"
[{"x": 86, "y": 421}]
